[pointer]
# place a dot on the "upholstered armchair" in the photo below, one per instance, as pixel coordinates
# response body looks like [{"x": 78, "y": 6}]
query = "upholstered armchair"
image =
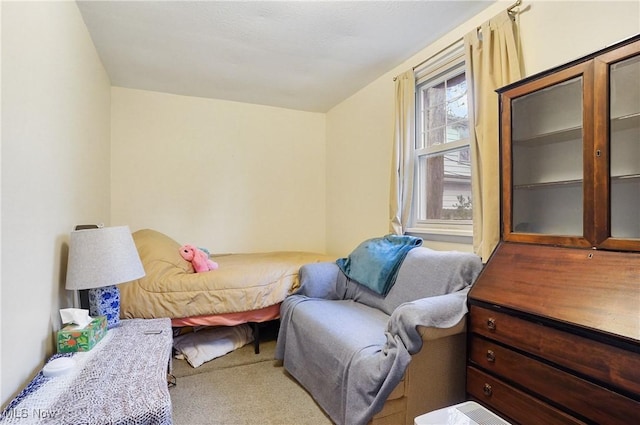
[{"x": 369, "y": 358}]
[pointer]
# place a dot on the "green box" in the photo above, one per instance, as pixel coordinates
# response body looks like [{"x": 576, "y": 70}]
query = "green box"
[{"x": 72, "y": 339}]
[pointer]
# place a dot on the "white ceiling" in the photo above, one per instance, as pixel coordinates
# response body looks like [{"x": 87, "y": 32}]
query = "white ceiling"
[{"x": 305, "y": 55}]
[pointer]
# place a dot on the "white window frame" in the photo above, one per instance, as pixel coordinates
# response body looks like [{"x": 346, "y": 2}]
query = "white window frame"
[{"x": 440, "y": 67}]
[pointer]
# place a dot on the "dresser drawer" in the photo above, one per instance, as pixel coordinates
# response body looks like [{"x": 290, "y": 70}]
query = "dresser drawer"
[
  {"x": 578, "y": 395},
  {"x": 612, "y": 365},
  {"x": 517, "y": 406}
]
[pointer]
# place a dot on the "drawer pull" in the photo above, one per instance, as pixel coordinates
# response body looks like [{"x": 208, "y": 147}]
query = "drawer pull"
[
  {"x": 491, "y": 356},
  {"x": 491, "y": 324},
  {"x": 487, "y": 390}
]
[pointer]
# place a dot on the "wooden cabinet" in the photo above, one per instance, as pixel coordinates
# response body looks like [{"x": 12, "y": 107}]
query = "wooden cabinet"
[
  {"x": 555, "y": 315},
  {"x": 571, "y": 154}
]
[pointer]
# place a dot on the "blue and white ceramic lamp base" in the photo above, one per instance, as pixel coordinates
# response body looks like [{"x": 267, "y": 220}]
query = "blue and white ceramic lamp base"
[{"x": 105, "y": 301}]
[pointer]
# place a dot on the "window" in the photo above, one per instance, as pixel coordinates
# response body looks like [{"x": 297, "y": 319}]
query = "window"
[{"x": 442, "y": 203}]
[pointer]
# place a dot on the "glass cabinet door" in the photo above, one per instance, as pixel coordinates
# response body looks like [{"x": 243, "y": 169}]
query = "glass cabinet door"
[
  {"x": 621, "y": 229},
  {"x": 543, "y": 159},
  {"x": 625, "y": 148},
  {"x": 547, "y": 161}
]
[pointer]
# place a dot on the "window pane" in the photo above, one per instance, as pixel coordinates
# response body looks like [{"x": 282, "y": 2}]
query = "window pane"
[
  {"x": 444, "y": 112},
  {"x": 434, "y": 114},
  {"x": 445, "y": 182},
  {"x": 457, "y": 109}
]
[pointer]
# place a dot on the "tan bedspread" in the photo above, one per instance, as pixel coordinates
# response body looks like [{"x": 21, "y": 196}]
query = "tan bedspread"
[{"x": 243, "y": 282}]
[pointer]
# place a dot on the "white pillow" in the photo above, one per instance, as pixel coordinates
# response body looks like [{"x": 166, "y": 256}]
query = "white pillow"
[{"x": 202, "y": 346}]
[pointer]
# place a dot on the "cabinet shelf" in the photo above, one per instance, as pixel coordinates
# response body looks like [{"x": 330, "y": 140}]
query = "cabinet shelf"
[
  {"x": 574, "y": 182},
  {"x": 628, "y": 117},
  {"x": 575, "y": 132},
  {"x": 625, "y": 122},
  {"x": 626, "y": 177},
  {"x": 563, "y": 135}
]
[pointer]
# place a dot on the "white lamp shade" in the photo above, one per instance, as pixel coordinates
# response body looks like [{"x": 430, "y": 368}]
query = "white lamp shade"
[{"x": 102, "y": 257}]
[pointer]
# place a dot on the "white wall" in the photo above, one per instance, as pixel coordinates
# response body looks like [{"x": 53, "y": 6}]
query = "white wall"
[
  {"x": 55, "y": 171},
  {"x": 228, "y": 176},
  {"x": 360, "y": 129},
  {"x": 359, "y": 142}
]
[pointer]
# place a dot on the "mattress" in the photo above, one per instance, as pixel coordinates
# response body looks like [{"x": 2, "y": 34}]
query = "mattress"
[{"x": 242, "y": 283}]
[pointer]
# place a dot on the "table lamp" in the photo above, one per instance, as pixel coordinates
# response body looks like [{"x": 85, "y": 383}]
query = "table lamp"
[{"x": 99, "y": 259}]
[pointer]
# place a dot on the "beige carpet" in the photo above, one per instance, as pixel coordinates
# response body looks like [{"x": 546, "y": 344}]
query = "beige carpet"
[{"x": 241, "y": 388}]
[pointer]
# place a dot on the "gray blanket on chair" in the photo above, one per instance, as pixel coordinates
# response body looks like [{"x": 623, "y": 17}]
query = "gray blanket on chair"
[{"x": 350, "y": 355}]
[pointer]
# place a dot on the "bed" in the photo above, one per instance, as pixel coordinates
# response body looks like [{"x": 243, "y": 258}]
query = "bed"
[{"x": 246, "y": 288}]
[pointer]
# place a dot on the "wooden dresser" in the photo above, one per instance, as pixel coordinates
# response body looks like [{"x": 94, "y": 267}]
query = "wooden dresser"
[
  {"x": 555, "y": 315},
  {"x": 555, "y": 336}
]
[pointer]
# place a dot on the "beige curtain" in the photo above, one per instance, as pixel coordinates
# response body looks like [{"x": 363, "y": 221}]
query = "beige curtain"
[
  {"x": 402, "y": 156},
  {"x": 493, "y": 61}
]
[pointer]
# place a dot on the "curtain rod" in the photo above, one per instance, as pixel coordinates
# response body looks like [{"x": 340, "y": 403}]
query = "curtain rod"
[
  {"x": 509, "y": 10},
  {"x": 513, "y": 6}
]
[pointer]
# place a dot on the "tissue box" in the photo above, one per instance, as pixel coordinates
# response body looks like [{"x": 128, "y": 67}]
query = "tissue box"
[{"x": 72, "y": 339}]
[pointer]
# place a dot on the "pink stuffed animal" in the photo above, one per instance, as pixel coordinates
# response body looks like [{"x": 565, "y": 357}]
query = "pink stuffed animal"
[{"x": 199, "y": 259}]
